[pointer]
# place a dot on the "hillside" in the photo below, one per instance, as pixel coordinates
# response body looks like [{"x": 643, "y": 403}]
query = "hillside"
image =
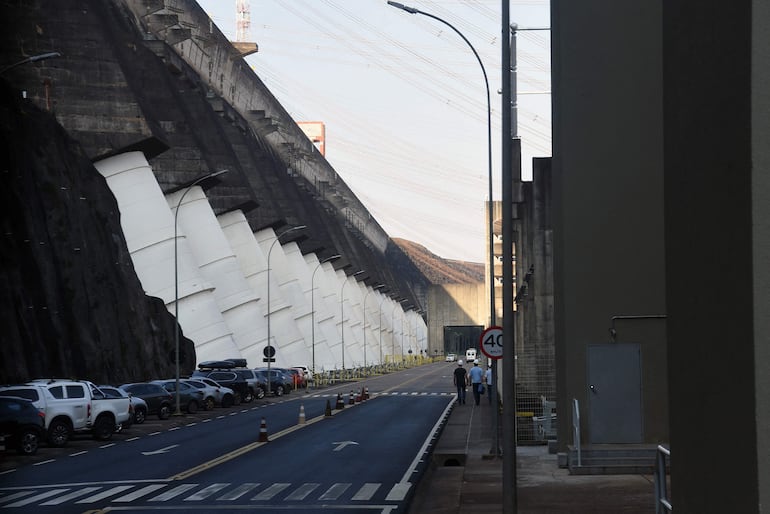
[{"x": 438, "y": 270}]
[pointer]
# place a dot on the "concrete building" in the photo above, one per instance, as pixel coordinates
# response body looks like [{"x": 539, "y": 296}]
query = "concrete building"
[{"x": 661, "y": 123}]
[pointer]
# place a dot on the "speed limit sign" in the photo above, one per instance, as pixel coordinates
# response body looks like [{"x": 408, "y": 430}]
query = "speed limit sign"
[{"x": 491, "y": 342}]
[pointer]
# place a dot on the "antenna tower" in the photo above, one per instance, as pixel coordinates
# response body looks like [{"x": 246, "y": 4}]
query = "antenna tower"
[{"x": 242, "y": 20}]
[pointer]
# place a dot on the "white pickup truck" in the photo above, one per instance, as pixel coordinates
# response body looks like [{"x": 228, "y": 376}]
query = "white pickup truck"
[{"x": 73, "y": 406}]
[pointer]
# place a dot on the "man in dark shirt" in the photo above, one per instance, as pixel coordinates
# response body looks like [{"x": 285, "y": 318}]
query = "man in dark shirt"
[{"x": 461, "y": 380}]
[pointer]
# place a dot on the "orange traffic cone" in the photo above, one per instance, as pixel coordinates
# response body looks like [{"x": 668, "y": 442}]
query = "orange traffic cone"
[
  {"x": 301, "y": 415},
  {"x": 328, "y": 411},
  {"x": 340, "y": 402},
  {"x": 366, "y": 393},
  {"x": 263, "y": 431},
  {"x": 358, "y": 396}
]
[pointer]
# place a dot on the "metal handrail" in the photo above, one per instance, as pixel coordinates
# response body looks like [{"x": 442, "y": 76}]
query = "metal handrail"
[
  {"x": 662, "y": 503},
  {"x": 576, "y": 429}
]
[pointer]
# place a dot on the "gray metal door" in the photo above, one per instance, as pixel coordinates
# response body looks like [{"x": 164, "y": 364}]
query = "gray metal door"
[{"x": 614, "y": 393}]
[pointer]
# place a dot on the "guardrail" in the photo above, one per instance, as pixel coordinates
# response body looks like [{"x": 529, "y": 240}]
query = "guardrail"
[
  {"x": 662, "y": 503},
  {"x": 334, "y": 376}
]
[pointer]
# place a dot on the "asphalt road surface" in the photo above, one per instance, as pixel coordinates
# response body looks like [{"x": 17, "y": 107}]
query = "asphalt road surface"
[{"x": 366, "y": 457}]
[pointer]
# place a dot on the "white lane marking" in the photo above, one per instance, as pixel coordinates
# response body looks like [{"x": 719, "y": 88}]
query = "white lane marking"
[
  {"x": 144, "y": 491},
  {"x": 161, "y": 450},
  {"x": 398, "y": 492},
  {"x": 32, "y": 499},
  {"x": 343, "y": 444},
  {"x": 206, "y": 492},
  {"x": 173, "y": 493},
  {"x": 334, "y": 492},
  {"x": 302, "y": 491},
  {"x": 238, "y": 492},
  {"x": 71, "y": 496},
  {"x": 366, "y": 492},
  {"x": 105, "y": 494},
  {"x": 271, "y": 491}
]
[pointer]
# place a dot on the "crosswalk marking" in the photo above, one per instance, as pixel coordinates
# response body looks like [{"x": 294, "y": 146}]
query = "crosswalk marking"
[
  {"x": 199, "y": 493},
  {"x": 237, "y": 492},
  {"x": 13, "y": 496},
  {"x": 271, "y": 491},
  {"x": 71, "y": 496},
  {"x": 144, "y": 491},
  {"x": 366, "y": 492},
  {"x": 206, "y": 492},
  {"x": 334, "y": 492},
  {"x": 398, "y": 492},
  {"x": 173, "y": 493},
  {"x": 302, "y": 491},
  {"x": 33, "y": 499},
  {"x": 105, "y": 494}
]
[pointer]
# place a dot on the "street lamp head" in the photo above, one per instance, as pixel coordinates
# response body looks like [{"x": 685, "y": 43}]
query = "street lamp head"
[
  {"x": 34, "y": 58},
  {"x": 410, "y": 10}
]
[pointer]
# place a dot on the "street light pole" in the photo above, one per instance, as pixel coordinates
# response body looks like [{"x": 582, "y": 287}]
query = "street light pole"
[
  {"x": 178, "y": 411},
  {"x": 269, "y": 353},
  {"x": 342, "y": 314},
  {"x": 312, "y": 302},
  {"x": 375, "y": 288},
  {"x": 490, "y": 221}
]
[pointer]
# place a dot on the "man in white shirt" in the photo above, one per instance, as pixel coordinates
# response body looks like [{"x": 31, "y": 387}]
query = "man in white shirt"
[{"x": 488, "y": 380}]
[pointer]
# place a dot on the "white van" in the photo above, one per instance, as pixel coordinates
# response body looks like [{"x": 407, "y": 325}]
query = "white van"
[{"x": 470, "y": 355}]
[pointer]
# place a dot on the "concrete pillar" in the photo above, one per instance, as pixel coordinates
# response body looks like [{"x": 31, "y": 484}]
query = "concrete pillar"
[{"x": 148, "y": 226}]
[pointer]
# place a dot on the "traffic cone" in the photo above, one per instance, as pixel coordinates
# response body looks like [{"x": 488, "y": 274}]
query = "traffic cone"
[
  {"x": 263, "y": 431},
  {"x": 366, "y": 393},
  {"x": 352, "y": 400},
  {"x": 328, "y": 412},
  {"x": 340, "y": 402},
  {"x": 301, "y": 415},
  {"x": 358, "y": 396}
]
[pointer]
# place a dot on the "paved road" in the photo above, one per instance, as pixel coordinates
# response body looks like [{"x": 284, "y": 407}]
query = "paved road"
[{"x": 366, "y": 457}]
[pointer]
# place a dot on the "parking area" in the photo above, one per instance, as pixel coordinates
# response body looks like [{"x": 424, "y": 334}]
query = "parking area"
[{"x": 10, "y": 459}]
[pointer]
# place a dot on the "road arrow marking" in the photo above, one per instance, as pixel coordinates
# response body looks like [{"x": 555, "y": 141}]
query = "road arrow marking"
[
  {"x": 162, "y": 450},
  {"x": 342, "y": 444}
]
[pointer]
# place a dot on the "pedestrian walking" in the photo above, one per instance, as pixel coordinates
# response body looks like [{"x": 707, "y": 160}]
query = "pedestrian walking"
[
  {"x": 461, "y": 380},
  {"x": 488, "y": 380},
  {"x": 476, "y": 375}
]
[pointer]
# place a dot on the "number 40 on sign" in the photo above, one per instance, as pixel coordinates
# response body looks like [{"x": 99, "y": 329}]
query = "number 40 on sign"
[{"x": 491, "y": 342}]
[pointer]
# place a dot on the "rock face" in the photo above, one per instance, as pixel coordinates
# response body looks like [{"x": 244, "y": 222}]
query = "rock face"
[{"x": 70, "y": 302}]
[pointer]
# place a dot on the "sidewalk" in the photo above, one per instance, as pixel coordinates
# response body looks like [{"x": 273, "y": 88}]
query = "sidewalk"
[{"x": 465, "y": 478}]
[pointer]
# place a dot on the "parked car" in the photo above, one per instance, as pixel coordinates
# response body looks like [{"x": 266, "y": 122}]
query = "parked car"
[
  {"x": 158, "y": 400},
  {"x": 298, "y": 378},
  {"x": 211, "y": 394},
  {"x": 280, "y": 382},
  {"x": 224, "y": 396},
  {"x": 190, "y": 398},
  {"x": 227, "y": 378},
  {"x": 138, "y": 406},
  {"x": 451, "y": 357},
  {"x": 22, "y": 424},
  {"x": 246, "y": 385},
  {"x": 307, "y": 373},
  {"x": 72, "y": 405},
  {"x": 257, "y": 386}
]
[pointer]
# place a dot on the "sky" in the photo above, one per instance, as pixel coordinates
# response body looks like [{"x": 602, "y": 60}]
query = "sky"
[{"x": 404, "y": 101}]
